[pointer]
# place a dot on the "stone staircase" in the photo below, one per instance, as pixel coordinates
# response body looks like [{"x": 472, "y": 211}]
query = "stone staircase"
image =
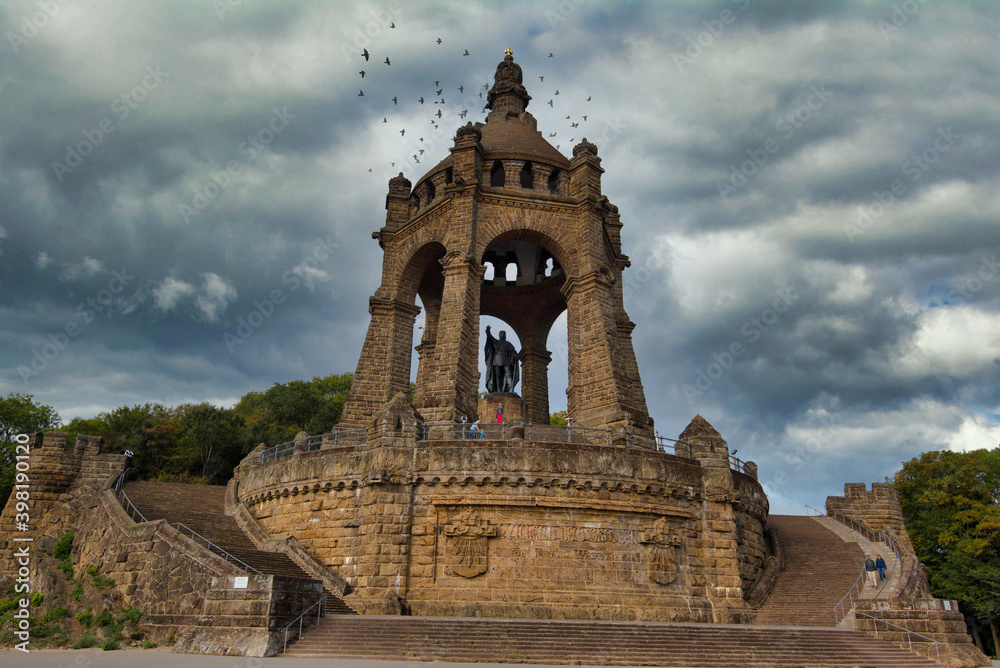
[
  {"x": 874, "y": 548},
  {"x": 820, "y": 568},
  {"x": 202, "y": 509},
  {"x": 593, "y": 643}
]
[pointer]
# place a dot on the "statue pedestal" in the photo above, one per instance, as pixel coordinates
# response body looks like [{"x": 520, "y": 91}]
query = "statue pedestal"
[{"x": 513, "y": 407}]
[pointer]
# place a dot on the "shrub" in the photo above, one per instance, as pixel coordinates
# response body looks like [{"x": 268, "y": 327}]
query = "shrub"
[
  {"x": 130, "y": 616},
  {"x": 66, "y": 566},
  {"x": 55, "y": 614},
  {"x": 77, "y": 592},
  {"x": 103, "y": 619},
  {"x": 108, "y": 644},
  {"x": 91, "y": 571},
  {"x": 7, "y": 604},
  {"x": 148, "y": 644},
  {"x": 85, "y": 641},
  {"x": 37, "y": 598},
  {"x": 86, "y": 618},
  {"x": 63, "y": 546},
  {"x": 60, "y": 638},
  {"x": 101, "y": 582}
]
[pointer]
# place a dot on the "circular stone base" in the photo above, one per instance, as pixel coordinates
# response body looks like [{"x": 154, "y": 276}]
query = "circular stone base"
[{"x": 513, "y": 407}]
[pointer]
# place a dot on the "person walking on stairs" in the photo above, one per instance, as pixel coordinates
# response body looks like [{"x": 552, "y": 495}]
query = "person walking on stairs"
[
  {"x": 872, "y": 571},
  {"x": 880, "y": 565}
]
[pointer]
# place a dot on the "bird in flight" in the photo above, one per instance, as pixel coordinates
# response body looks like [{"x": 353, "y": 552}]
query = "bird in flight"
[
  {"x": 557, "y": 91},
  {"x": 541, "y": 78},
  {"x": 439, "y": 92},
  {"x": 362, "y": 73},
  {"x": 584, "y": 118},
  {"x": 588, "y": 99},
  {"x": 439, "y": 113},
  {"x": 480, "y": 95},
  {"x": 402, "y": 132},
  {"x": 567, "y": 118},
  {"x": 574, "y": 125},
  {"x": 436, "y": 83},
  {"x": 552, "y": 134},
  {"x": 464, "y": 113},
  {"x": 392, "y": 25},
  {"x": 387, "y": 61},
  {"x": 439, "y": 40},
  {"x": 421, "y": 99},
  {"x": 466, "y": 52},
  {"x": 361, "y": 93},
  {"x": 365, "y": 54},
  {"x": 385, "y": 120},
  {"x": 461, "y": 89},
  {"x": 550, "y": 55},
  {"x": 395, "y": 100},
  {"x": 421, "y": 151},
  {"x": 550, "y": 103},
  {"x": 415, "y": 158}
]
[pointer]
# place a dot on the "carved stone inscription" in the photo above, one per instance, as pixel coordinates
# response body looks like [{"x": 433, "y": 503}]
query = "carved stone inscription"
[
  {"x": 467, "y": 536},
  {"x": 663, "y": 551}
]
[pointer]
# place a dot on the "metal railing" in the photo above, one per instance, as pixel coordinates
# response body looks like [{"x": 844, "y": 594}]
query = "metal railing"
[
  {"x": 331, "y": 439},
  {"x": 211, "y": 546},
  {"x": 867, "y": 536},
  {"x": 129, "y": 507},
  {"x": 319, "y": 605},
  {"x": 909, "y": 633}
]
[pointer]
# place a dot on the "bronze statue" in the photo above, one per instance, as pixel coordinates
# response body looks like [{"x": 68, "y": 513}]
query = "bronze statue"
[{"x": 502, "y": 369}]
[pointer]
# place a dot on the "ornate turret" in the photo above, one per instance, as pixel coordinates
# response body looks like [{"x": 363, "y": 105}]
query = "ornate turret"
[{"x": 508, "y": 93}]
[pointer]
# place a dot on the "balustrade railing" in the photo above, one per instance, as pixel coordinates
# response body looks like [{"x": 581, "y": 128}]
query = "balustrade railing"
[
  {"x": 320, "y": 606},
  {"x": 909, "y": 633}
]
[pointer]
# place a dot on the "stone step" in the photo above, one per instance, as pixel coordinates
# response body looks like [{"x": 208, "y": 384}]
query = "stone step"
[{"x": 567, "y": 642}]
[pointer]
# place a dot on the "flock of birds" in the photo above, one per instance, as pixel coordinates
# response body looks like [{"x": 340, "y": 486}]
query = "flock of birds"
[{"x": 438, "y": 99}]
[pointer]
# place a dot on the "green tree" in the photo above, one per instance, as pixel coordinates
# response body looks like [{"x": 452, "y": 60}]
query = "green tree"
[
  {"x": 19, "y": 414},
  {"x": 209, "y": 439},
  {"x": 558, "y": 418},
  {"x": 950, "y": 506}
]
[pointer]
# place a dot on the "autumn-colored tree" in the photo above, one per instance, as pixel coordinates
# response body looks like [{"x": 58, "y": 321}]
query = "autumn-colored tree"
[{"x": 950, "y": 506}]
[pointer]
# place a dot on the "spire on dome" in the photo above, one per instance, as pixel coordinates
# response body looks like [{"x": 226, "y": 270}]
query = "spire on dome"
[{"x": 508, "y": 92}]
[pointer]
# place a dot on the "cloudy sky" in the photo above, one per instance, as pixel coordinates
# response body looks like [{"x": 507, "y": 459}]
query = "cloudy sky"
[{"x": 810, "y": 193}]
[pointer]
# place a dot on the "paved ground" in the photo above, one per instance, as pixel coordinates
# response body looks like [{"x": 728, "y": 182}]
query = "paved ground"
[{"x": 160, "y": 658}]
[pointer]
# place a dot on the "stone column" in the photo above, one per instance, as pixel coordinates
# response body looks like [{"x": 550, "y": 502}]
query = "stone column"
[
  {"x": 535, "y": 384},
  {"x": 541, "y": 174},
  {"x": 384, "y": 366},
  {"x": 451, "y": 388}
]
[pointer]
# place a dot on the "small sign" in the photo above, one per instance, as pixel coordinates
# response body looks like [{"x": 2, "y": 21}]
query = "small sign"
[
  {"x": 240, "y": 582},
  {"x": 947, "y": 606}
]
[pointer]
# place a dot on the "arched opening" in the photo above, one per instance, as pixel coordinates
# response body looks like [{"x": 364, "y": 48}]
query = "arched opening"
[
  {"x": 497, "y": 178},
  {"x": 554, "y": 179},
  {"x": 430, "y": 191},
  {"x": 423, "y": 285},
  {"x": 448, "y": 175},
  {"x": 558, "y": 345},
  {"x": 527, "y": 180}
]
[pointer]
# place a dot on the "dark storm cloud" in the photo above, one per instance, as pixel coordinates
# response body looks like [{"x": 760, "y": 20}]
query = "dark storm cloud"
[{"x": 888, "y": 348}]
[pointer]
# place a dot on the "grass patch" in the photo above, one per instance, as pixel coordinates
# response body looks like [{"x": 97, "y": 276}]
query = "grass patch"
[
  {"x": 103, "y": 619},
  {"x": 77, "y": 592},
  {"x": 66, "y": 566},
  {"x": 92, "y": 571},
  {"x": 63, "y": 546},
  {"x": 102, "y": 582},
  {"x": 108, "y": 644},
  {"x": 37, "y": 599},
  {"x": 55, "y": 614},
  {"x": 148, "y": 644},
  {"x": 85, "y": 641},
  {"x": 130, "y": 616},
  {"x": 7, "y": 604},
  {"x": 86, "y": 618}
]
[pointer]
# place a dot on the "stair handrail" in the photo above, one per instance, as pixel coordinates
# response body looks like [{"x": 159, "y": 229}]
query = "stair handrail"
[
  {"x": 869, "y": 534},
  {"x": 130, "y": 508},
  {"x": 246, "y": 566},
  {"x": 319, "y": 613},
  {"x": 909, "y": 640},
  {"x": 850, "y": 593},
  {"x": 120, "y": 480}
]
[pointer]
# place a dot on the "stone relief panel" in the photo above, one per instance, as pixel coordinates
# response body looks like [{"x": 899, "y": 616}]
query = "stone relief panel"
[
  {"x": 467, "y": 535},
  {"x": 663, "y": 545}
]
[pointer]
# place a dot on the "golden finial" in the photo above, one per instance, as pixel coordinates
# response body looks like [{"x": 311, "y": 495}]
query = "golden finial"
[{"x": 508, "y": 52}]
